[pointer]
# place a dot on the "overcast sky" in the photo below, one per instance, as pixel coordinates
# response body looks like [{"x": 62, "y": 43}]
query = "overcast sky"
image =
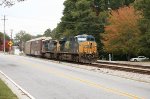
[{"x": 32, "y": 16}]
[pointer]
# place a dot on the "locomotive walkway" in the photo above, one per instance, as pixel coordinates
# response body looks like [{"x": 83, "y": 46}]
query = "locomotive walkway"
[{"x": 44, "y": 79}]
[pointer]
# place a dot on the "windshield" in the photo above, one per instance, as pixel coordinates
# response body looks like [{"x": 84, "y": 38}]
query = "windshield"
[
  {"x": 90, "y": 39},
  {"x": 85, "y": 38},
  {"x": 82, "y": 39}
]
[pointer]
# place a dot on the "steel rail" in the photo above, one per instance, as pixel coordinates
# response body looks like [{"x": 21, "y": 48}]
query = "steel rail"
[
  {"x": 114, "y": 66},
  {"x": 124, "y": 67}
]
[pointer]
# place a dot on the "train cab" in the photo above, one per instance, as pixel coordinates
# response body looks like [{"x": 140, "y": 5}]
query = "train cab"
[
  {"x": 87, "y": 47},
  {"x": 87, "y": 44}
]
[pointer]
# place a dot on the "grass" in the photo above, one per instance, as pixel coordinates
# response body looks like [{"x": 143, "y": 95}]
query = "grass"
[{"x": 5, "y": 92}]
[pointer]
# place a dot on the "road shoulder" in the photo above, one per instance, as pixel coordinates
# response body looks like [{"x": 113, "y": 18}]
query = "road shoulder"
[{"x": 16, "y": 89}]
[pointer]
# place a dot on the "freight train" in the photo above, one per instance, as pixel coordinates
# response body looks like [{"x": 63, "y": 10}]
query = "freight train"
[{"x": 80, "y": 48}]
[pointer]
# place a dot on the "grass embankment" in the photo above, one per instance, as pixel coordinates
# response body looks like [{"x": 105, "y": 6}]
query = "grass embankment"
[{"x": 5, "y": 92}]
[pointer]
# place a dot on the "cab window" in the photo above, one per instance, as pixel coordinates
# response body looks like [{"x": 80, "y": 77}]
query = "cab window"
[
  {"x": 82, "y": 39},
  {"x": 90, "y": 39}
]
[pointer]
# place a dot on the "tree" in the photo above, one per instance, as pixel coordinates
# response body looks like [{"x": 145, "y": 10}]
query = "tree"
[
  {"x": 54, "y": 34},
  {"x": 79, "y": 18},
  {"x": 2, "y": 38},
  {"x": 143, "y": 6},
  {"x": 47, "y": 33},
  {"x": 21, "y": 38},
  {"x": 116, "y": 4},
  {"x": 6, "y": 41},
  {"x": 104, "y": 5},
  {"x": 7, "y": 38},
  {"x": 8, "y": 3},
  {"x": 122, "y": 35},
  {"x": 86, "y": 17}
]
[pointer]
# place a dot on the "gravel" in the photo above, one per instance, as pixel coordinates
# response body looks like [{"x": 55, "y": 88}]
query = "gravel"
[
  {"x": 127, "y": 75},
  {"x": 123, "y": 74}
]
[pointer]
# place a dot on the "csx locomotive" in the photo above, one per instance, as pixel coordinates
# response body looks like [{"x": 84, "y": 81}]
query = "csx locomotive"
[{"x": 80, "y": 48}]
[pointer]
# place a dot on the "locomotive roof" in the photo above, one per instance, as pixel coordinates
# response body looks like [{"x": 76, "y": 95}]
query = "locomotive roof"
[
  {"x": 84, "y": 35},
  {"x": 40, "y": 38},
  {"x": 47, "y": 38}
]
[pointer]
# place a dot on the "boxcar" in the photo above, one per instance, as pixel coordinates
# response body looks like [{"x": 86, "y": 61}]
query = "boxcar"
[
  {"x": 27, "y": 49},
  {"x": 34, "y": 47}
]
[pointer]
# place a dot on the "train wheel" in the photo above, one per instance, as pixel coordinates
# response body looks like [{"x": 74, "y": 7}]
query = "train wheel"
[
  {"x": 77, "y": 59},
  {"x": 59, "y": 57}
]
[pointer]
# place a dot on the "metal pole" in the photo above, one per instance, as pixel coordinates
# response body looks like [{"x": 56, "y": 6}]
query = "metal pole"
[
  {"x": 109, "y": 57},
  {"x": 4, "y": 41},
  {"x": 11, "y": 34},
  {"x": 4, "y": 35}
]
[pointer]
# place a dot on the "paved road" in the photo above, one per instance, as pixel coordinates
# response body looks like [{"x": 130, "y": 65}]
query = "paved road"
[{"x": 48, "y": 80}]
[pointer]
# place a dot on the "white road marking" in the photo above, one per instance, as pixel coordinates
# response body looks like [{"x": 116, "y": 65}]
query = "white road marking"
[{"x": 18, "y": 87}]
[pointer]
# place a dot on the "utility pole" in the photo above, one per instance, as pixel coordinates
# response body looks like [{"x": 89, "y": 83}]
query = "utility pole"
[
  {"x": 4, "y": 33},
  {"x": 11, "y": 34}
]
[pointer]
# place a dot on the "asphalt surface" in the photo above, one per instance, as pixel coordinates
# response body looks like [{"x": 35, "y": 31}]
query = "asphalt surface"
[{"x": 49, "y": 80}]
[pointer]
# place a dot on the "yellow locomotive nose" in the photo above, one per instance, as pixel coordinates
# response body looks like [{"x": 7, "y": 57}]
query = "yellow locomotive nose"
[{"x": 88, "y": 47}]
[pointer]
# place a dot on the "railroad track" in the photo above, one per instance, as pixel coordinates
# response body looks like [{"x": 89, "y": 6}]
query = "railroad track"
[
  {"x": 124, "y": 67},
  {"x": 114, "y": 66}
]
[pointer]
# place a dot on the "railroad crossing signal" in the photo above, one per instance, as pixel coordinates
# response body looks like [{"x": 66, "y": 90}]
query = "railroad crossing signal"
[{"x": 10, "y": 43}]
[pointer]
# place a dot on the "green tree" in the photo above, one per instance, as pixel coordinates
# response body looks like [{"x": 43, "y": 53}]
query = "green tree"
[
  {"x": 54, "y": 34},
  {"x": 144, "y": 6},
  {"x": 116, "y": 4},
  {"x": 47, "y": 33},
  {"x": 101, "y": 5},
  {"x": 80, "y": 18},
  {"x": 2, "y": 38},
  {"x": 21, "y": 38},
  {"x": 86, "y": 17}
]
